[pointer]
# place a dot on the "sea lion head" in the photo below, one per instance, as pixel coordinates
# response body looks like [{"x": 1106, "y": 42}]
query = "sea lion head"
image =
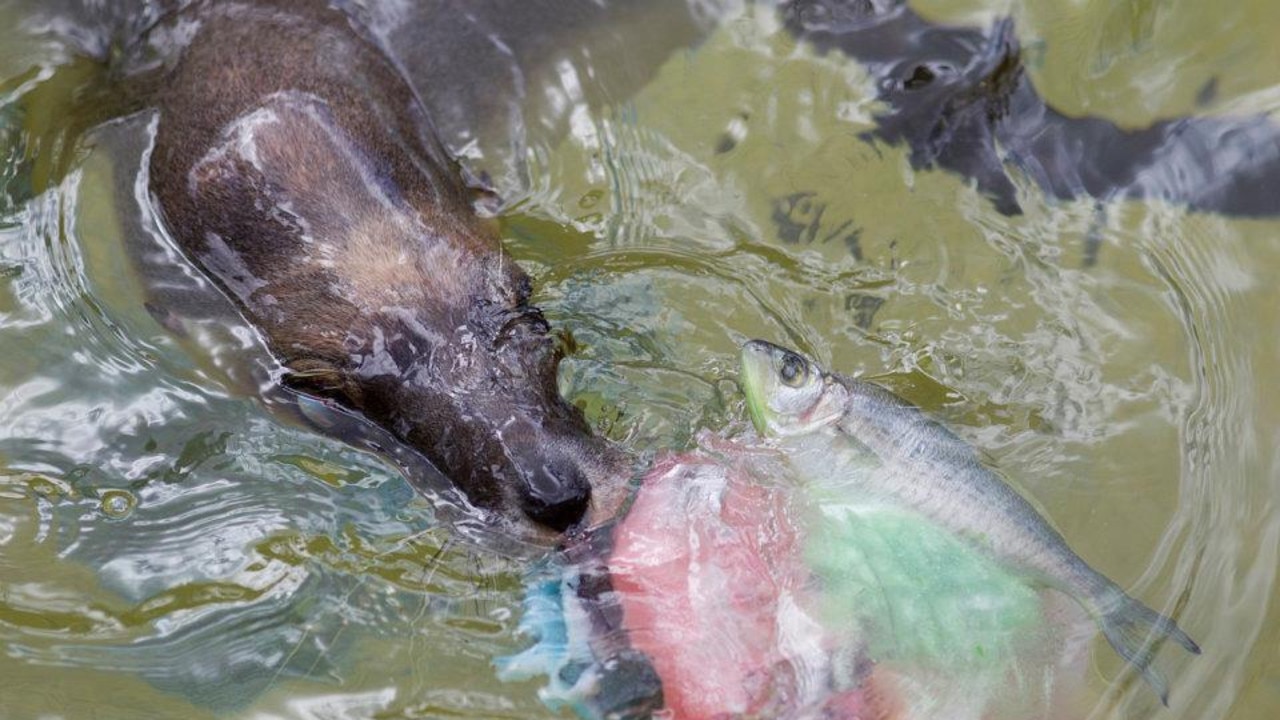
[
  {"x": 351, "y": 244},
  {"x": 445, "y": 350}
]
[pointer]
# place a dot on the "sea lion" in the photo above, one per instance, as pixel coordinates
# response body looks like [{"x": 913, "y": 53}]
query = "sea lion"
[
  {"x": 297, "y": 167},
  {"x": 961, "y": 100}
]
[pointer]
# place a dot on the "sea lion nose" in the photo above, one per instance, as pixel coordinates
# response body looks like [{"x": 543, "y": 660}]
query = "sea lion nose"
[{"x": 556, "y": 494}]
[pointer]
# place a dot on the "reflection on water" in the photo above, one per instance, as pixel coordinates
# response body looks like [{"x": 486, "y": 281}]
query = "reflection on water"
[{"x": 171, "y": 541}]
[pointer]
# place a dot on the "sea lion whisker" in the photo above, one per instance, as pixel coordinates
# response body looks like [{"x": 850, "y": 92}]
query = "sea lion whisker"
[
  {"x": 515, "y": 319},
  {"x": 346, "y": 601},
  {"x": 399, "y": 544},
  {"x": 433, "y": 562}
]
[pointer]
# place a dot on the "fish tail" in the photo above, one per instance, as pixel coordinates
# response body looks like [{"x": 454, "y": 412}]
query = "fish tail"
[{"x": 1136, "y": 632}]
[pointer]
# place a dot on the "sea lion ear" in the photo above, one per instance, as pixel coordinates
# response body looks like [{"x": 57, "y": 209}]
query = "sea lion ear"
[
  {"x": 563, "y": 342},
  {"x": 486, "y": 202}
]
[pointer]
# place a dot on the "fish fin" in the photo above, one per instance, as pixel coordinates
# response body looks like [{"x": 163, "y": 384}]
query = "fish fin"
[{"x": 1136, "y": 632}]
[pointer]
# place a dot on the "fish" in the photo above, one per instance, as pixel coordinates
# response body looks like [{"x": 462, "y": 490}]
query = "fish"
[{"x": 863, "y": 440}]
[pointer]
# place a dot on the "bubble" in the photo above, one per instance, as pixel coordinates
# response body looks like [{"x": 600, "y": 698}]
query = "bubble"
[
  {"x": 52, "y": 489},
  {"x": 118, "y": 504}
]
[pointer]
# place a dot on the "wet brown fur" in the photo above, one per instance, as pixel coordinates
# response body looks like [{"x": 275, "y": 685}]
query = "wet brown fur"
[{"x": 298, "y": 168}]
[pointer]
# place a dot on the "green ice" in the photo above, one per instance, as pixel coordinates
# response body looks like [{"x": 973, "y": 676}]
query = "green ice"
[{"x": 912, "y": 592}]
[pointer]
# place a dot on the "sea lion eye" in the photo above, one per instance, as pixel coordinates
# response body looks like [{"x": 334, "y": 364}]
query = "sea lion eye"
[{"x": 794, "y": 370}]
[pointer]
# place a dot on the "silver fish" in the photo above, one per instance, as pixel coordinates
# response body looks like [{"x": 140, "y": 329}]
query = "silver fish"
[{"x": 874, "y": 444}]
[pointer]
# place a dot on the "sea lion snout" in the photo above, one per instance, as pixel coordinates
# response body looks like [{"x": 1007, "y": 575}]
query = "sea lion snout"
[{"x": 555, "y": 493}]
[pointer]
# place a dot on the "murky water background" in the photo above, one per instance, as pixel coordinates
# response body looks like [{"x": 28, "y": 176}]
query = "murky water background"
[{"x": 170, "y": 546}]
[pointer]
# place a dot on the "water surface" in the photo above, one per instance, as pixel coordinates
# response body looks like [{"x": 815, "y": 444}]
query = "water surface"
[{"x": 173, "y": 543}]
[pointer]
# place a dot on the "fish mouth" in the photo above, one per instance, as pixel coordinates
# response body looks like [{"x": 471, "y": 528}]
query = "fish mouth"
[{"x": 756, "y": 369}]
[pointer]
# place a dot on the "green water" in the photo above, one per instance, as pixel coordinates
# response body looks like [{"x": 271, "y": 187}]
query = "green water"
[{"x": 169, "y": 547}]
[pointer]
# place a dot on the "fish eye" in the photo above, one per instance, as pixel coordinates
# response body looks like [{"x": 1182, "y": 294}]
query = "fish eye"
[{"x": 794, "y": 370}]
